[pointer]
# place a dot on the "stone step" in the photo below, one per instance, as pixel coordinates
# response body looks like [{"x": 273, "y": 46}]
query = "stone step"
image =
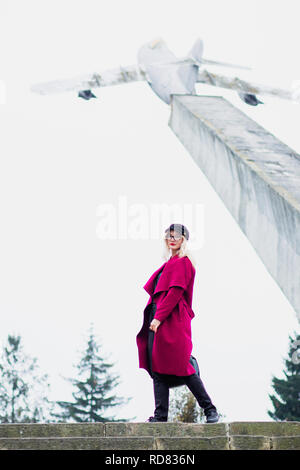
[
  {"x": 291, "y": 428},
  {"x": 112, "y": 430},
  {"x": 239, "y": 442},
  {"x": 116, "y": 443},
  {"x": 151, "y": 436}
]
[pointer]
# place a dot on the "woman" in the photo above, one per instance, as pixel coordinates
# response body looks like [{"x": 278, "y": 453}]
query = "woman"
[{"x": 164, "y": 341}]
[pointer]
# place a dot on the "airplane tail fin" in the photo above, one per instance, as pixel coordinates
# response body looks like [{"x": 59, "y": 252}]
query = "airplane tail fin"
[
  {"x": 196, "y": 56},
  {"x": 196, "y": 52}
]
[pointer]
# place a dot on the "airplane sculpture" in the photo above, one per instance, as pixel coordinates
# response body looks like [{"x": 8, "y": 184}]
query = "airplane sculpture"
[{"x": 166, "y": 74}]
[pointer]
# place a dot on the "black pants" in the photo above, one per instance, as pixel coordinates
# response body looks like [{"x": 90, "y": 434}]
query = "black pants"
[{"x": 163, "y": 382}]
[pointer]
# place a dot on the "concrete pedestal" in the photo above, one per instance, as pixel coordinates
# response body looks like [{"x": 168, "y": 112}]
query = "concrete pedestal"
[{"x": 256, "y": 175}]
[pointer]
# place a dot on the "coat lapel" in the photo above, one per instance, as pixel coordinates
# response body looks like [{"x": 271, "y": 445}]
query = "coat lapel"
[
  {"x": 150, "y": 283},
  {"x": 166, "y": 277}
]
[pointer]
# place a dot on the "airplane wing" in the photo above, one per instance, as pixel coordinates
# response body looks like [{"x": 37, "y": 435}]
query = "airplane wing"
[
  {"x": 154, "y": 56},
  {"x": 117, "y": 76},
  {"x": 133, "y": 73},
  {"x": 235, "y": 83}
]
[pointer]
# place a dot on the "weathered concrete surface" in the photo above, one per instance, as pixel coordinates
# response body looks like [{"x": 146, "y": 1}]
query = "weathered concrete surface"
[
  {"x": 286, "y": 443},
  {"x": 256, "y": 175},
  {"x": 151, "y": 436},
  {"x": 249, "y": 443},
  {"x": 265, "y": 428},
  {"x": 192, "y": 443},
  {"x": 78, "y": 443},
  {"x": 52, "y": 430},
  {"x": 165, "y": 429}
]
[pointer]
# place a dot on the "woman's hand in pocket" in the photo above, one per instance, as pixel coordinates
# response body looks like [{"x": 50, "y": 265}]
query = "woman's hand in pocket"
[{"x": 154, "y": 325}]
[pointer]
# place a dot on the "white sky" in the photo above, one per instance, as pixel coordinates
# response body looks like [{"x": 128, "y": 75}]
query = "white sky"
[{"x": 62, "y": 157}]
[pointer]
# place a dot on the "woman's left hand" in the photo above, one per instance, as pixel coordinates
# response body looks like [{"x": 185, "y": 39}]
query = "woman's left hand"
[{"x": 154, "y": 325}]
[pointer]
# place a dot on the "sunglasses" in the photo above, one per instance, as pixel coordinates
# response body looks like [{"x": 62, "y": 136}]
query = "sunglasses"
[{"x": 169, "y": 237}]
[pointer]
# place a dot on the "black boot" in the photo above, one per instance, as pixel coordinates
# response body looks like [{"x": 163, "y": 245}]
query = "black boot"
[
  {"x": 152, "y": 419},
  {"x": 212, "y": 417}
]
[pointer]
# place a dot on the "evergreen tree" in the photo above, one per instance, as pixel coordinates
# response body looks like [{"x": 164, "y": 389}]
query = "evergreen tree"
[
  {"x": 287, "y": 402},
  {"x": 23, "y": 392},
  {"x": 184, "y": 407},
  {"x": 92, "y": 396}
]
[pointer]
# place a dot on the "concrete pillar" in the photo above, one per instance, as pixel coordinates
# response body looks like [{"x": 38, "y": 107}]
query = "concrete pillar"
[{"x": 256, "y": 175}]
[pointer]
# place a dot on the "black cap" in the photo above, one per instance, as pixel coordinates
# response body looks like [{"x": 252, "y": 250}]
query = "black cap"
[{"x": 178, "y": 228}]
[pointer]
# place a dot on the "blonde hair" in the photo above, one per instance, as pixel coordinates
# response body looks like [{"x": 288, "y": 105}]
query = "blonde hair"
[{"x": 183, "y": 251}]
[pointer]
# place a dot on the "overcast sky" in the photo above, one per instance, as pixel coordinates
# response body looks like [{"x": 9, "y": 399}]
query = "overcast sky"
[{"x": 63, "y": 159}]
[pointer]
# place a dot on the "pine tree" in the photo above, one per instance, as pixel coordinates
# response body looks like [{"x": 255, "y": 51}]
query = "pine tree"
[
  {"x": 184, "y": 407},
  {"x": 92, "y": 389},
  {"x": 23, "y": 392},
  {"x": 287, "y": 403}
]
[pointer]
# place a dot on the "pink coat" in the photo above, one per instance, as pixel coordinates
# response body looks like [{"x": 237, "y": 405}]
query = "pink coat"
[{"x": 172, "y": 345}]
